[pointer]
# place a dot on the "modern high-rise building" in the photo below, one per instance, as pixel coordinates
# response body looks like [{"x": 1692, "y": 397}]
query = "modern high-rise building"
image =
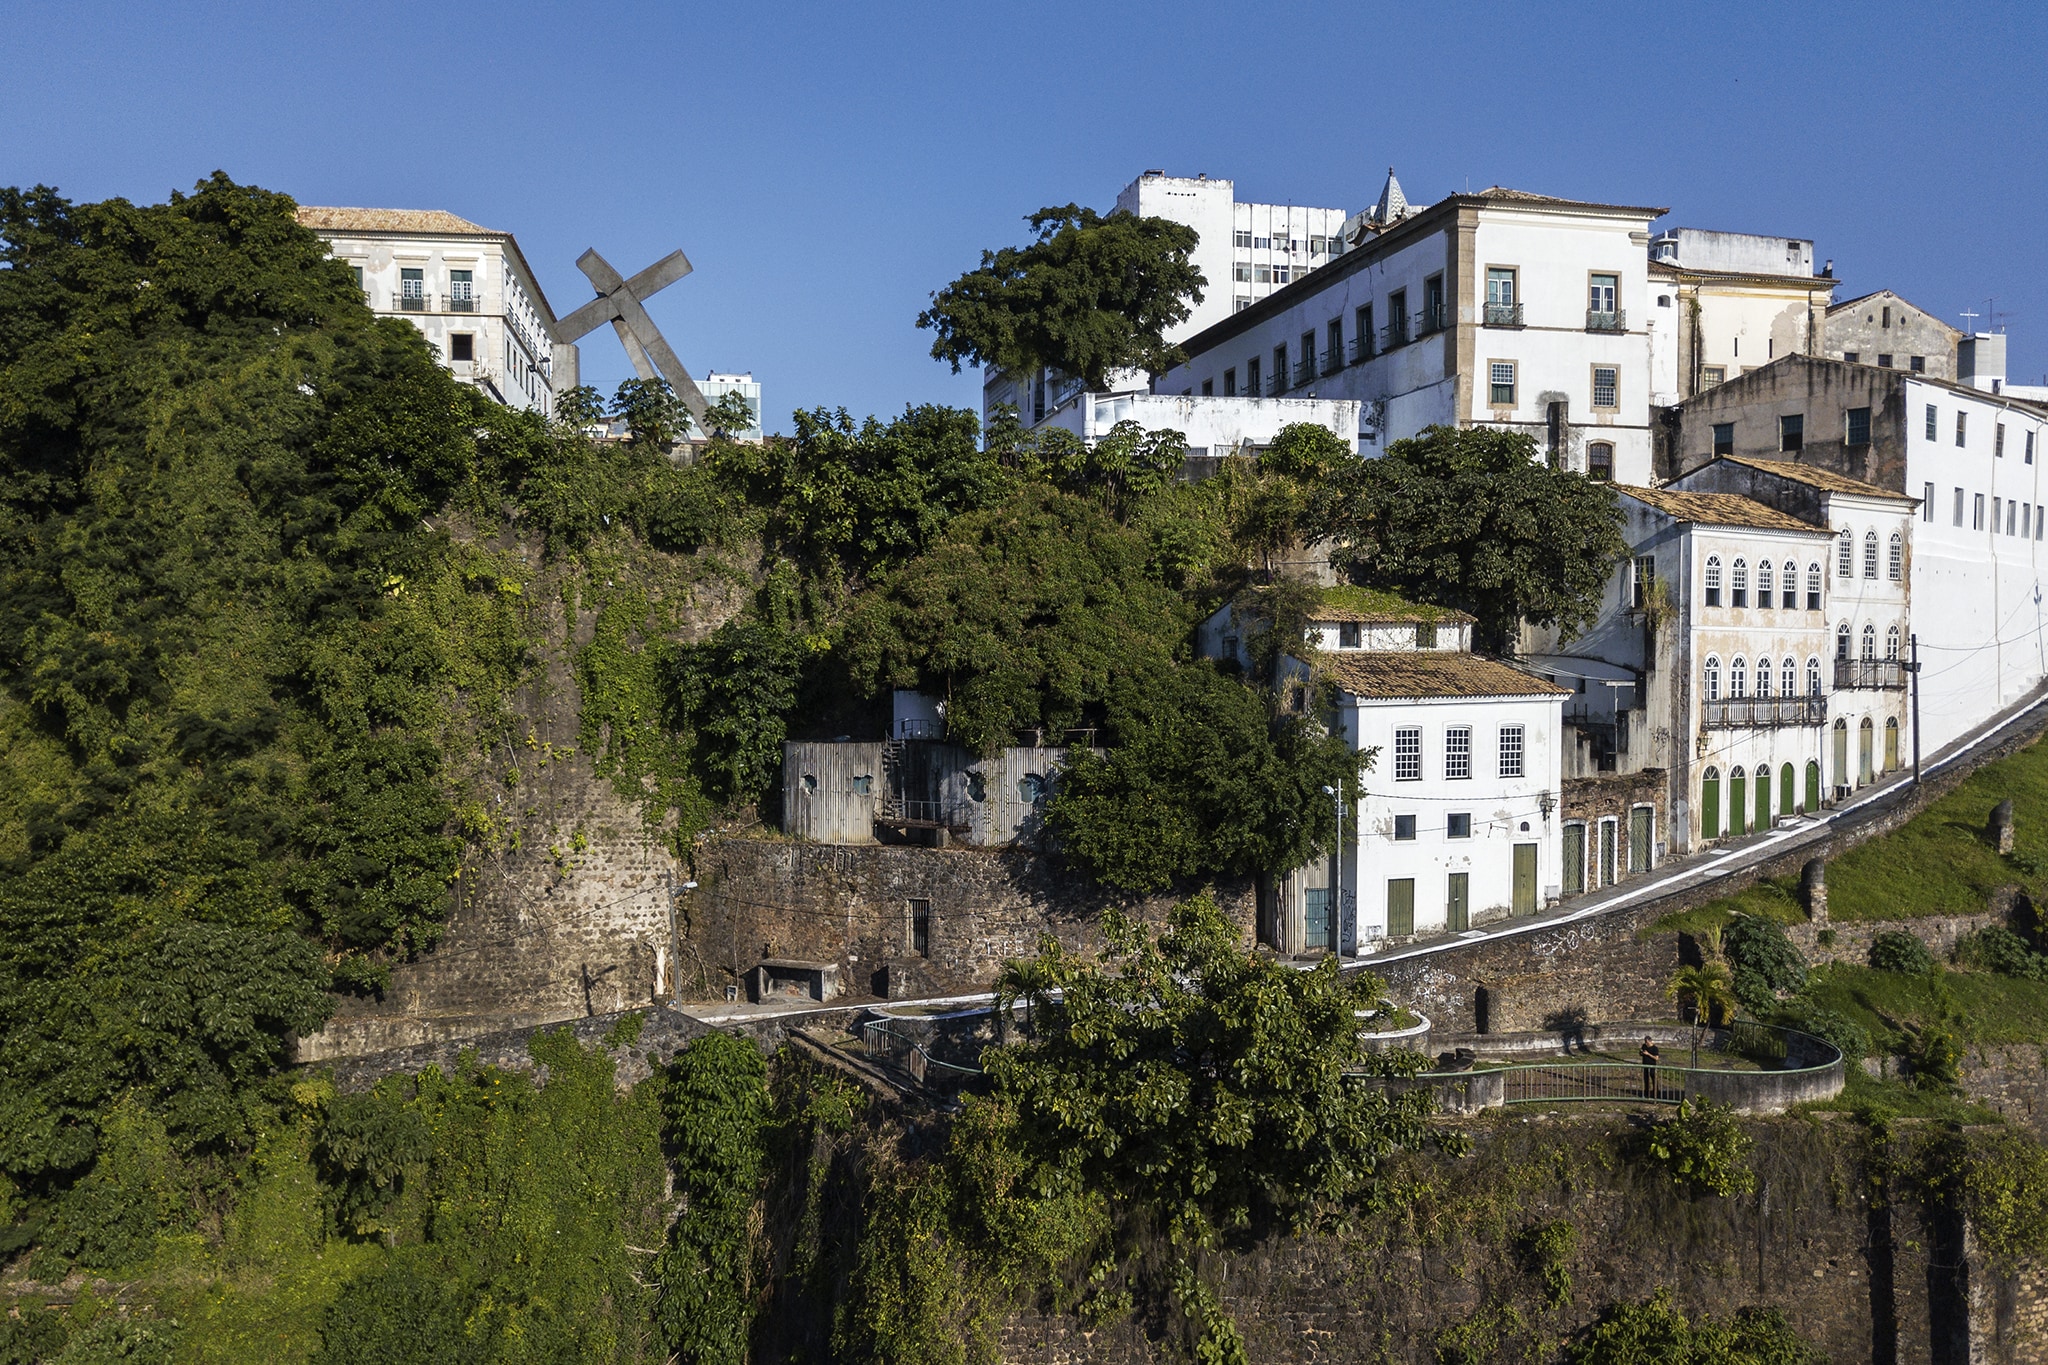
[{"x": 716, "y": 386}]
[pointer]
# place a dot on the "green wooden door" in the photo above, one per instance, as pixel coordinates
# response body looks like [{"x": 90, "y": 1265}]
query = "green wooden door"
[
  {"x": 1788, "y": 794},
  {"x": 1525, "y": 879},
  {"x": 1763, "y": 797},
  {"x": 1640, "y": 832},
  {"x": 1710, "y": 804},
  {"x": 1812, "y": 784},
  {"x": 1609, "y": 831},
  {"x": 1458, "y": 903},
  {"x": 1574, "y": 859},
  {"x": 1891, "y": 745},
  {"x": 1400, "y": 907},
  {"x": 1866, "y": 747},
  {"x": 1841, "y": 753},
  {"x": 1738, "y": 794}
]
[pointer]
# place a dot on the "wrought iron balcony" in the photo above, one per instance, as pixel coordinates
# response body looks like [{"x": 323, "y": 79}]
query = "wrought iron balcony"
[
  {"x": 1503, "y": 315},
  {"x": 1763, "y": 713},
  {"x": 1361, "y": 348},
  {"x": 1432, "y": 320},
  {"x": 464, "y": 302},
  {"x": 1597, "y": 321},
  {"x": 1333, "y": 360},
  {"x": 1304, "y": 371},
  {"x": 1870, "y": 673},
  {"x": 1394, "y": 334},
  {"x": 413, "y": 303},
  {"x": 1277, "y": 385}
]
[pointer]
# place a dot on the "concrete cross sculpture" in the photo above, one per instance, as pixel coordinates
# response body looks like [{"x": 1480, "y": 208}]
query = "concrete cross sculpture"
[{"x": 618, "y": 302}]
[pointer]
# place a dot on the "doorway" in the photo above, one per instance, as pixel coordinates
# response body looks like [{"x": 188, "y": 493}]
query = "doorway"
[{"x": 1525, "y": 880}]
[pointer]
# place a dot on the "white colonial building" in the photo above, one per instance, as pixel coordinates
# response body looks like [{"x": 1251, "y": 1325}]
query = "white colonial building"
[
  {"x": 1213, "y": 428},
  {"x": 467, "y": 288},
  {"x": 1500, "y": 308},
  {"x": 1724, "y": 302}
]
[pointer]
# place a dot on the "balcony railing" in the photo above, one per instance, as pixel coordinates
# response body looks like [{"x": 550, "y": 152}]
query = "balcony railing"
[
  {"x": 1304, "y": 371},
  {"x": 464, "y": 302},
  {"x": 1503, "y": 315},
  {"x": 1432, "y": 320},
  {"x": 1333, "y": 360},
  {"x": 1277, "y": 385},
  {"x": 1394, "y": 334},
  {"x": 414, "y": 303},
  {"x": 1761, "y": 713},
  {"x": 1597, "y": 321},
  {"x": 1885, "y": 673},
  {"x": 1361, "y": 348}
]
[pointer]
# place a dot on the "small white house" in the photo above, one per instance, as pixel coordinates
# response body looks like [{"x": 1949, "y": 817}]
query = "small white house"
[{"x": 1345, "y": 619}]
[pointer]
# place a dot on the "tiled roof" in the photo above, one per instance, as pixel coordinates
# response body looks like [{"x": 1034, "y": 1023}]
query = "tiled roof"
[
  {"x": 1433, "y": 673},
  {"x": 391, "y": 220},
  {"x": 1815, "y": 477},
  {"x": 1376, "y": 606},
  {"x": 1718, "y": 509},
  {"x": 1502, "y": 192}
]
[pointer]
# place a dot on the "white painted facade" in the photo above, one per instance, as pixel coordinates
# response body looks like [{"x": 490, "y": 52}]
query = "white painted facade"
[
  {"x": 1211, "y": 426},
  {"x": 715, "y": 386},
  {"x": 1977, "y": 578},
  {"x": 1722, "y": 303},
  {"x": 1496, "y": 308},
  {"x": 467, "y": 288}
]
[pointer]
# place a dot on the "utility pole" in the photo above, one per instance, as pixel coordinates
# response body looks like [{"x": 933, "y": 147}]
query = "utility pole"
[{"x": 1913, "y": 668}]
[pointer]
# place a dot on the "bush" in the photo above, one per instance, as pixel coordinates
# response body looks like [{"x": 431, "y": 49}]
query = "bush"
[
  {"x": 1898, "y": 951},
  {"x": 1995, "y": 948},
  {"x": 1637, "y": 1333},
  {"x": 1703, "y": 1149},
  {"x": 1835, "y": 1027},
  {"x": 2005, "y": 1189},
  {"x": 1757, "y": 947},
  {"x": 365, "y": 1144}
]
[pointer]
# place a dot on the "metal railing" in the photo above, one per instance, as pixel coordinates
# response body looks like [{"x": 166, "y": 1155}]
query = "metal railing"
[
  {"x": 1431, "y": 320},
  {"x": 462, "y": 303},
  {"x": 413, "y": 303},
  {"x": 1333, "y": 359},
  {"x": 1884, "y": 673},
  {"x": 1599, "y": 321},
  {"x": 1503, "y": 315},
  {"x": 893, "y": 1047},
  {"x": 1304, "y": 371},
  {"x": 1276, "y": 386},
  {"x": 1361, "y": 348},
  {"x": 1763, "y": 712},
  {"x": 1394, "y": 334}
]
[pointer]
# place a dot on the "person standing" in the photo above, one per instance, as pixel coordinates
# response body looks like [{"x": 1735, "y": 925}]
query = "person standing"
[{"x": 1649, "y": 1054}]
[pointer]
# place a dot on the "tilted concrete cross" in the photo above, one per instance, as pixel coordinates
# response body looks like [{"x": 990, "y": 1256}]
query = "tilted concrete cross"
[{"x": 618, "y": 302}]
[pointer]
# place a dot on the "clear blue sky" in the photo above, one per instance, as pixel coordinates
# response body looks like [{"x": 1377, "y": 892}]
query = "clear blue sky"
[{"x": 827, "y": 166}]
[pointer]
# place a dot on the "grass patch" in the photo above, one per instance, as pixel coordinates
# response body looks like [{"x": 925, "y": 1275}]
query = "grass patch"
[
  {"x": 1776, "y": 899},
  {"x": 1879, "y": 1100},
  {"x": 1994, "y": 1009},
  {"x": 1941, "y": 862}
]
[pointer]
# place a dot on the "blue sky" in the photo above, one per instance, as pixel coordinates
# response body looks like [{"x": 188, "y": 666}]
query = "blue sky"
[{"x": 827, "y": 166}]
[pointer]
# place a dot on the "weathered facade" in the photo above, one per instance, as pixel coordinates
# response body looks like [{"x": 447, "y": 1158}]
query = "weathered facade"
[
  {"x": 854, "y": 793},
  {"x": 1885, "y": 330}
]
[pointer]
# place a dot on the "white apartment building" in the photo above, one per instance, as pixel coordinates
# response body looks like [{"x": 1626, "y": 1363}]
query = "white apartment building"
[
  {"x": 1455, "y": 824},
  {"x": 1723, "y": 302},
  {"x": 1868, "y": 602},
  {"x": 1500, "y": 308},
  {"x": 467, "y": 288},
  {"x": 1213, "y": 428},
  {"x": 715, "y": 386},
  {"x": 1977, "y": 556}
]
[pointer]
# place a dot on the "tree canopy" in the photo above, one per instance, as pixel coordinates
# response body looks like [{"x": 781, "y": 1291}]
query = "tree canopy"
[
  {"x": 1473, "y": 518},
  {"x": 1091, "y": 294}
]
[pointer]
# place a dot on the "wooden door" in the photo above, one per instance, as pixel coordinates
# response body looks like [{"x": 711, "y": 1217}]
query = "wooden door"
[
  {"x": 1458, "y": 903},
  {"x": 1400, "y": 907},
  {"x": 1525, "y": 879}
]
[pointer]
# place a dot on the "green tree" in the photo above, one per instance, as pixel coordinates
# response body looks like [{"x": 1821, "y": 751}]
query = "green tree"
[
  {"x": 1657, "y": 1333},
  {"x": 579, "y": 407},
  {"x": 653, "y": 414},
  {"x": 1703, "y": 1147},
  {"x": 1472, "y": 518},
  {"x": 734, "y": 691},
  {"x": 1710, "y": 990},
  {"x": 1121, "y": 469},
  {"x": 730, "y": 415},
  {"x": 1202, "y": 782},
  {"x": 1091, "y": 294}
]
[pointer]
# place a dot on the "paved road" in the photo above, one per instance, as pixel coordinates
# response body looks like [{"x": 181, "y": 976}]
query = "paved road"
[{"x": 1682, "y": 875}]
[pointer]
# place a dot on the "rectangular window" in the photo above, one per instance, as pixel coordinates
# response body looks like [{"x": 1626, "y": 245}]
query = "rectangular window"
[
  {"x": 1241, "y": 273},
  {"x": 1347, "y": 635},
  {"x": 1425, "y": 635},
  {"x": 1927, "y": 503},
  {"x": 1408, "y": 755},
  {"x": 1458, "y": 826},
  {"x": 358, "y": 273},
  {"x": 1363, "y": 340},
  {"x": 1933, "y": 421},
  {"x": 1511, "y": 751},
  {"x": 1606, "y": 386},
  {"x": 1282, "y": 274},
  {"x": 1959, "y": 507},
  {"x": 1500, "y": 375},
  {"x": 1242, "y": 240},
  {"x": 1724, "y": 438},
  {"x": 2040, "y": 520},
  {"x": 2009, "y": 518},
  {"x": 1230, "y": 383},
  {"x": 1710, "y": 375},
  {"x": 1404, "y": 827},
  {"x": 1397, "y": 318},
  {"x": 1458, "y": 751},
  {"x": 1792, "y": 431},
  {"x": 1977, "y": 514},
  {"x": 1962, "y": 426},
  {"x": 1252, "y": 386},
  {"x": 921, "y": 927},
  {"x": 1853, "y": 357},
  {"x": 1643, "y": 585},
  {"x": 1998, "y": 441},
  {"x": 461, "y": 289},
  {"x": 1333, "y": 358},
  {"x": 1500, "y": 286},
  {"x": 1262, "y": 243},
  {"x": 1603, "y": 294},
  {"x": 1208, "y": 388},
  {"x": 1262, "y": 274},
  {"x": 1433, "y": 318},
  {"x": 1859, "y": 426},
  {"x": 412, "y": 284},
  {"x": 461, "y": 346},
  {"x": 1279, "y": 368},
  {"x": 1994, "y": 516},
  {"x": 2030, "y": 447},
  {"x": 1884, "y": 361}
]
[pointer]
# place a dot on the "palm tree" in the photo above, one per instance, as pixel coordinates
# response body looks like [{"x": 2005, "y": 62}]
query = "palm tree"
[{"x": 1711, "y": 990}]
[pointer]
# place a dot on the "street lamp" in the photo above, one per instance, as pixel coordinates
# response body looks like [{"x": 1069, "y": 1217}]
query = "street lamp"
[{"x": 1337, "y": 875}]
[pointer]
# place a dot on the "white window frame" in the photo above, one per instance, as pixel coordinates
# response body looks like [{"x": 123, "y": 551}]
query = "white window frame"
[
  {"x": 1514, "y": 751},
  {"x": 1408, "y": 753}
]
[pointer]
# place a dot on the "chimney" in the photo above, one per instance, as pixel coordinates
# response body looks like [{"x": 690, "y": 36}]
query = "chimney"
[{"x": 1827, "y": 272}]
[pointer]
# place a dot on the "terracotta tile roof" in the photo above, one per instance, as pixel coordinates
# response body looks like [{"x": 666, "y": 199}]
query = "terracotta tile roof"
[
  {"x": 391, "y": 220},
  {"x": 1718, "y": 509},
  {"x": 1433, "y": 673},
  {"x": 1815, "y": 477}
]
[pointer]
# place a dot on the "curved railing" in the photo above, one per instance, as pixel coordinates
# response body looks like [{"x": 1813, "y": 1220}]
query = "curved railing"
[
  {"x": 1797, "y": 1067},
  {"x": 887, "y": 1042}
]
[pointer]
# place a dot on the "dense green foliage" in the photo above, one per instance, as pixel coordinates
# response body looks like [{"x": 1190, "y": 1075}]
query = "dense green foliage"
[
  {"x": 1765, "y": 963},
  {"x": 1657, "y": 1333},
  {"x": 1091, "y": 294},
  {"x": 1472, "y": 518},
  {"x": 1898, "y": 951},
  {"x": 1703, "y": 1148}
]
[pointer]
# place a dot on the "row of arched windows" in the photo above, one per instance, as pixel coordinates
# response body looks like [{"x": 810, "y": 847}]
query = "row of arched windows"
[
  {"x": 1845, "y": 555},
  {"x": 1774, "y": 587},
  {"x": 1891, "y": 641},
  {"x": 1785, "y": 679}
]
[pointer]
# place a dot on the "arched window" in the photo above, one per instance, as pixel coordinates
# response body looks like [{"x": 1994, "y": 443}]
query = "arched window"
[
  {"x": 1788, "y": 680},
  {"x": 1813, "y": 677},
  {"x": 1738, "y": 583},
  {"x": 1600, "y": 461},
  {"x": 1738, "y": 679},
  {"x": 1763, "y": 677},
  {"x": 1891, "y": 641},
  {"x": 1791, "y": 582},
  {"x": 1842, "y": 640},
  {"x": 1713, "y": 677},
  {"x": 1713, "y": 580},
  {"x": 1764, "y": 586},
  {"x": 1895, "y": 566},
  {"x": 1813, "y": 587},
  {"x": 1869, "y": 641},
  {"x": 1870, "y": 554},
  {"x": 1845, "y": 553}
]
